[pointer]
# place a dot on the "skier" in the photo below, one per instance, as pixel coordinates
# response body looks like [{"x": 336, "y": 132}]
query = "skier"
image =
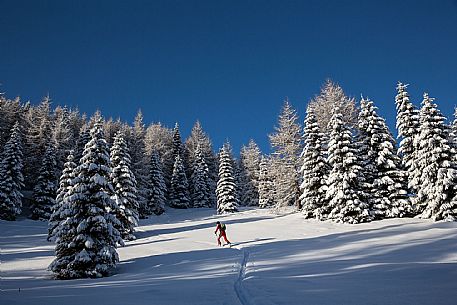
[{"x": 221, "y": 228}]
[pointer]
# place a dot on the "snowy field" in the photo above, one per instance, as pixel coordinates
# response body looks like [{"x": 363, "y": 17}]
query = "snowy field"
[{"x": 276, "y": 259}]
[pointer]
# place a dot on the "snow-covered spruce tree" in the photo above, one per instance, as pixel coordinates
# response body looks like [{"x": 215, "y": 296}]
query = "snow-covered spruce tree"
[
  {"x": 443, "y": 206},
  {"x": 454, "y": 126},
  {"x": 250, "y": 156},
  {"x": 332, "y": 96},
  {"x": 345, "y": 198},
  {"x": 87, "y": 238},
  {"x": 201, "y": 184},
  {"x": 157, "y": 187},
  {"x": 83, "y": 139},
  {"x": 179, "y": 188},
  {"x": 124, "y": 184},
  {"x": 62, "y": 136},
  {"x": 385, "y": 181},
  {"x": 408, "y": 129},
  {"x": 160, "y": 139},
  {"x": 44, "y": 193},
  {"x": 9, "y": 115},
  {"x": 177, "y": 143},
  {"x": 436, "y": 164},
  {"x": 314, "y": 170},
  {"x": 226, "y": 188},
  {"x": 286, "y": 143},
  {"x": 11, "y": 179},
  {"x": 267, "y": 195},
  {"x": 60, "y": 209},
  {"x": 139, "y": 163},
  {"x": 199, "y": 137}
]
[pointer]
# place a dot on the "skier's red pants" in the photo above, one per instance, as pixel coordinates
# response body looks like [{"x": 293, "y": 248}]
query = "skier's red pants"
[{"x": 222, "y": 234}]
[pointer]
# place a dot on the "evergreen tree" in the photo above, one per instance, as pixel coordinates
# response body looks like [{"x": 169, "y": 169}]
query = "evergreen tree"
[
  {"x": 61, "y": 209},
  {"x": 250, "y": 164},
  {"x": 388, "y": 196},
  {"x": 139, "y": 163},
  {"x": 344, "y": 194},
  {"x": 83, "y": 139},
  {"x": 62, "y": 136},
  {"x": 179, "y": 189},
  {"x": 454, "y": 127},
  {"x": 44, "y": 193},
  {"x": 435, "y": 164},
  {"x": 177, "y": 142},
  {"x": 287, "y": 146},
  {"x": 11, "y": 111},
  {"x": 226, "y": 188},
  {"x": 201, "y": 185},
  {"x": 443, "y": 205},
  {"x": 87, "y": 238},
  {"x": 124, "y": 184},
  {"x": 157, "y": 186},
  {"x": 11, "y": 179},
  {"x": 408, "y": 128},
  {"x": 160, "y": 139},
  {"x": 196, "y": 138},
  {"x": 314, "y": 170},
  {"x": 266, "y": 184}
]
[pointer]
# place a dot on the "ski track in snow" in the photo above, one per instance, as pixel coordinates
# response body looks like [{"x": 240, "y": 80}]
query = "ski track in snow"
[{"x": 239, "y": 289}]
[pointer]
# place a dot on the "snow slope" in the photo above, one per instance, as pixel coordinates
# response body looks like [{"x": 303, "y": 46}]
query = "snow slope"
[{"x": 277, "y": 259}]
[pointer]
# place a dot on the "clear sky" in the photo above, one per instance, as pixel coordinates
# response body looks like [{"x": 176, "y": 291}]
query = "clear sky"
[{"x": 229, "y": 64}]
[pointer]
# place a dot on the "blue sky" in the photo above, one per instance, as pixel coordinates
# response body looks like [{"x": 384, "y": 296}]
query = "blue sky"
[{"x": 229, "y": 64}]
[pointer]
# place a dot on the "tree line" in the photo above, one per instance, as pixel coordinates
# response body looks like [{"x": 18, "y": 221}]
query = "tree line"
[{"x": 93, "y": 178}]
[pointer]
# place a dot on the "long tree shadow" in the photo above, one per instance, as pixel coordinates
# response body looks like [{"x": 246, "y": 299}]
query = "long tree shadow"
[
  {"x": 388, "y": 264},
  {"x": 356, "y": 268}
]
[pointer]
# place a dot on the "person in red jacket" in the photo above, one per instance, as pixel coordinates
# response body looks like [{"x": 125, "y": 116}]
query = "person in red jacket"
[{"x": 221, "y": 228}]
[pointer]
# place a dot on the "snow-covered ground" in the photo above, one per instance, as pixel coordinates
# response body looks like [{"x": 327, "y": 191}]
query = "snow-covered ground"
[{"x": 277, "y": 259}]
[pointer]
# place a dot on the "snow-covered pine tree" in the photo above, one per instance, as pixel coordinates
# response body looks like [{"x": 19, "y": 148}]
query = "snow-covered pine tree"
[
  {"x": 408, "y": 129},
  {"x": 250, "y": 156},
  {"x": 199, "y": 137},
  {"x": 201, "y": 184},
  {"x": 314, "y": 170},
  {"x": 286, "y": 143},
  {"x": 177, "y": 142},
  {"x": 454, "y": 128},
  {"x": 83, "y": 139},
  {"x": 331, "y": 97},
  {"x": 226, "y": 188},
  {"x": 87, "y": 238},
  {"x": 124, "y": 184},
  {"x": 139, "y": 163},
  {"x": 267, "y": 195},
  {"x": 62, "y": 136},
  {"x": 386, "y": 182},
  {"x": 11, "y": 179},
  {"x": 443, "y": 206},
  {"x": 179, "y": 188},
  {"x": 44, "y": 193},
  {"x": 344, "y": 194},
  {"x": 157, "y": 187},
  {"x": 11, "y": 111},
  {"x": 60, "y": 209},
  {"x": 436, "y": 164},
  {"x": 159, "y": 139}
]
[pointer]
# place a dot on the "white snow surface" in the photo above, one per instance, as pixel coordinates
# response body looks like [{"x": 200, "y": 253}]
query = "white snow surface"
[{"x": 276, "y": 259}]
